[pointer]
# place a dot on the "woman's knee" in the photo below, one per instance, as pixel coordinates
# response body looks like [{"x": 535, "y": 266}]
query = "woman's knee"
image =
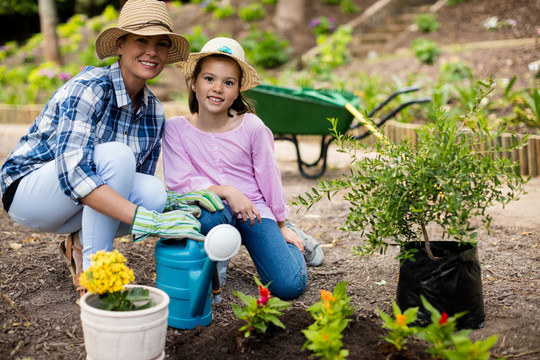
[
  {"x": 114, "y": 156},
  {"x": 148, "y": 192}
]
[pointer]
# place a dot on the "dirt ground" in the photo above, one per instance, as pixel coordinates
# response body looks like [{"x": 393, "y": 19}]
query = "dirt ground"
[{"x": 39, "y": 318}]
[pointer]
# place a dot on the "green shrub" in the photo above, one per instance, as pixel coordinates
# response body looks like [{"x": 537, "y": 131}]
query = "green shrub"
[
  {"x": 223, "y": 12},
  {"x": 322, "y": 25},
  {"x": 333, "y": 51},
  {"x": 269, "y": 2},
  {"x": 427, "y": 22},
  {"x": 197, "y": 38},
  {"x": 266, "y": 49},
  {"x": 425, "y": 50},
  {"x": 331, "y": 2},
  {"x": 252, "y": 12},
  {"x": 449, "y": 176},
  {"x": 348, "y": 7}
]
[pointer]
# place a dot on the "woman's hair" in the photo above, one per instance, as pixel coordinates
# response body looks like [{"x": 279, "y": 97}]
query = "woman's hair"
[{"x": 240, "y": 104}]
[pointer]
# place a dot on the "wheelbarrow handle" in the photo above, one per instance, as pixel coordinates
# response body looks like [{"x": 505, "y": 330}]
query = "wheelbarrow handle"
[{"x": 392, "y": 96}]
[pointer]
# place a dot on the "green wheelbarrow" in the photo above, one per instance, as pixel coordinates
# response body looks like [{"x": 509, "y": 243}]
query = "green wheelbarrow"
[{"x": 290, "y": 112}]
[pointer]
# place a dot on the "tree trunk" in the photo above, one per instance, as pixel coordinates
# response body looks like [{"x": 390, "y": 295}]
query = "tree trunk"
[
  {"x": 48, "y": 21},
  {"x": 289, "y": 14}
]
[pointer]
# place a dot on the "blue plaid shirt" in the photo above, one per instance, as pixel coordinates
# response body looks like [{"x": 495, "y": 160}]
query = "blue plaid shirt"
[{"x": 92, "y": 108}]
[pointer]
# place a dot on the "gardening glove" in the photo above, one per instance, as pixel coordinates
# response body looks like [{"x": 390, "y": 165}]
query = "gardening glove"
[
  {"x": 174, "y": 224},
  {"x": 192, "y": 201}
]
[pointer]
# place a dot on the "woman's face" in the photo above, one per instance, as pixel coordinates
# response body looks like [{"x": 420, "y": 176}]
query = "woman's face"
[
  {"x": 142, "y": 57},
  {"x": 217, "y": 85}
]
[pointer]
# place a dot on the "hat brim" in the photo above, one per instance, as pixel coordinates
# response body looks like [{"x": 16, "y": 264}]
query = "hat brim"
[
  {"x": 106, "y": 43},
  {"x": 250, "y": 79}
]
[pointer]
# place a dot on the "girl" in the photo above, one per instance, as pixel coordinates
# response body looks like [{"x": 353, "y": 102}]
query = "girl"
[
  {"x": 223, "y": 147},
  {"x": 86, "y": 166}
]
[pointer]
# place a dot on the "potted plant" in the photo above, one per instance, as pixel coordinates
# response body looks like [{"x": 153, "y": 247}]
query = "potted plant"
[
  {"x": 451, "y": 173},
  {"x": 121, "y": 321}
]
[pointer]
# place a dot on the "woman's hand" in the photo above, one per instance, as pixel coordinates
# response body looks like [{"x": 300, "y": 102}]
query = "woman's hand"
[
  {"x": 291, "y": 237},
  {"x": 239, "y": 203}
]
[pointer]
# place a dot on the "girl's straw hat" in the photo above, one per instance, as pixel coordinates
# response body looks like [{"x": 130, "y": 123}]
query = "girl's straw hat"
[
  {"x": 222, "y": 46},
  {"x": 147, "y": 18}
]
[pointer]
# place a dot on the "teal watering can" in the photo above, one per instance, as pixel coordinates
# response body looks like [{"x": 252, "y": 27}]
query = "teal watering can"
[{"x": 184, "y": 270}]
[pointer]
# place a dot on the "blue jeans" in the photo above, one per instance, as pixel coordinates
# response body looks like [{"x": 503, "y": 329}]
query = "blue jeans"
[{"x": 277, "y": 262}]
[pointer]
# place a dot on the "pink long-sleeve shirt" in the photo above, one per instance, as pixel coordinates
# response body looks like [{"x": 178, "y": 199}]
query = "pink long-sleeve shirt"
[{"x": 243, "y": 157}]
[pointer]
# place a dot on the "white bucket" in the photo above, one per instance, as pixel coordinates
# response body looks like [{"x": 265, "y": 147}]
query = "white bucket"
[{"x": 117, "y": 335}]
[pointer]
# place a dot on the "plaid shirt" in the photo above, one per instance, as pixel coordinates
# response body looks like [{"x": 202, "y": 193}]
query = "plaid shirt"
[{"x": 92, "y": 108}]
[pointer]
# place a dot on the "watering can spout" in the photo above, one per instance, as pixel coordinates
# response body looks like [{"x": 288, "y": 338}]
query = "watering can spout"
[{"x": 201, "y": 286}]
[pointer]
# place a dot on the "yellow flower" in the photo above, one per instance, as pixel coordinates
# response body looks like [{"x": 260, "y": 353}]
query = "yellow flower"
[
  {"x": 107, "y": 274},
  {"x": 400, "y": 319}
]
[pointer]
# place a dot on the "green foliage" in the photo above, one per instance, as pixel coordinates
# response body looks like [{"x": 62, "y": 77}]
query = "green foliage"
[
  {"x": 266, "y": 49},
  {"x": 331, "y": 318},
  {"x": 527, "y": 107},
  {"x": 447, "y": 176},
  {"x": 333, "y": 51},
  {"x": 331, "y": 2},
  {"x": 322, "y": 25},
  {"x": 425, "y": 50},
  {"x": 197, "y": 38},
  {"x": 132, "y": 299},
  {"x": 455, "y": 2},
  {"x": 427, "y": 22},
  {"x": 14, "y": 7},
  {"x": 222, "y": 12},
  {"x": 209, "y": 6},
  {"x": 444, "y": 341},
  {"x": 259, "y": 313},
  {"x": 252, "y": 12},
  {"x": 269, "y": 2},
  {"x": 348, "y": 7},
  {"x": 398, "y": 327}
]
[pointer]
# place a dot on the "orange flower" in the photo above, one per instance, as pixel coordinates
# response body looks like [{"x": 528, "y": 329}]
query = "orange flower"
[
  {"x": 327, "y": 296},
  {"x": 400, "y": 319}
]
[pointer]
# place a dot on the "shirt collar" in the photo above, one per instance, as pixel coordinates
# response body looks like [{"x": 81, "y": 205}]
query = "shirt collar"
[{"x": 122, "y": 97}]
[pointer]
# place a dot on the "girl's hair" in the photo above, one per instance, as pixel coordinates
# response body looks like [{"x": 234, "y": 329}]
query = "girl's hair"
[{"x": 240, "y": 104}]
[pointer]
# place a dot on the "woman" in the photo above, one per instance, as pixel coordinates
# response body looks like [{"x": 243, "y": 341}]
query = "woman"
[{"x": 86, "y": 166}]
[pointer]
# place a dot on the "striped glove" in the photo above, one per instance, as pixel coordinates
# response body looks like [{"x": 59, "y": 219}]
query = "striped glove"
[
  {"x": 174, "y": 224},
  {"x": 193, "y": 201}
]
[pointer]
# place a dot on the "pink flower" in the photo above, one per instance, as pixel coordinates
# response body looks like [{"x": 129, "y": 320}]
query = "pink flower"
[{"x": 262, "y": 301}]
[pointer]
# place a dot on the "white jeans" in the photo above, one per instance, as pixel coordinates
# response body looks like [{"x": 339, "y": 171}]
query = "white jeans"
[{"x": 39, "y": 203}]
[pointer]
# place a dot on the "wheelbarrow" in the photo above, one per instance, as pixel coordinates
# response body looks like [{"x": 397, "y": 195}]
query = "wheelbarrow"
[{"x": 290, "y": 112}]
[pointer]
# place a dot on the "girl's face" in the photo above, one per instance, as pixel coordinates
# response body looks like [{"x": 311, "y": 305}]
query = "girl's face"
[
  {"x": 217, "y": 85},
  {"x": 142, "y": 57}
]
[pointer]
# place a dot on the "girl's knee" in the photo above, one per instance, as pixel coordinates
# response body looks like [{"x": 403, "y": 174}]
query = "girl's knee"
[{"x": 290, "y": 288}]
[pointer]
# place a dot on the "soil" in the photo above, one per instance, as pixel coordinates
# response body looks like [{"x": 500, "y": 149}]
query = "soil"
[{"x": 39, "y": 317}]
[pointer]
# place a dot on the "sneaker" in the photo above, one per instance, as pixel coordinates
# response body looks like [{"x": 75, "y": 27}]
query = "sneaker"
[{"x": 313, "y": 252}]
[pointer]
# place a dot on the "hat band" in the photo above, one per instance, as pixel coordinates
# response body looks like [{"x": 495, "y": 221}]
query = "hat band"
[{"x": 139, "y": 26}]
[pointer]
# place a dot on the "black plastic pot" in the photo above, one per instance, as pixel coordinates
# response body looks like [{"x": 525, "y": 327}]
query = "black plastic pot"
[{"x": 451, "y": 283}]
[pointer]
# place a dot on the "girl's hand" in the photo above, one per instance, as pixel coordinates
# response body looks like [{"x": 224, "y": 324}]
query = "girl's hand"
[
  {"x": 240, "y": 204},
  {"x": 292, "y": 238}
]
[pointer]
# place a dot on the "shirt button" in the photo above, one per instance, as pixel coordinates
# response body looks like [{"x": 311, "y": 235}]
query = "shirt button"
[{"x": 126, "y": 132}]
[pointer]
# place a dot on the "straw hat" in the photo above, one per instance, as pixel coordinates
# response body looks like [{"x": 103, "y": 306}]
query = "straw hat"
[
  {"x": 143, "y": 17},
  {"x": 222, "y": 46}
]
